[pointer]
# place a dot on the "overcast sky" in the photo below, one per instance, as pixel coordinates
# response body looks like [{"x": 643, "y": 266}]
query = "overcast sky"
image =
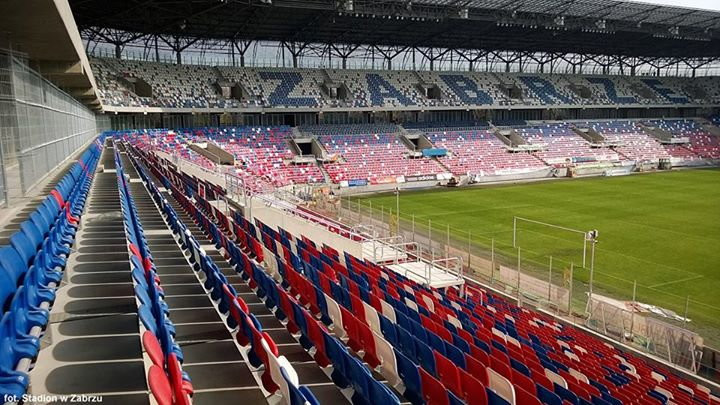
[{"x": 703, "y": 4}]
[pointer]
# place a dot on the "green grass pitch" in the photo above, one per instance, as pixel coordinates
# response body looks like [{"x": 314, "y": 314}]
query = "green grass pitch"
[{"x": 661, "y": 230}]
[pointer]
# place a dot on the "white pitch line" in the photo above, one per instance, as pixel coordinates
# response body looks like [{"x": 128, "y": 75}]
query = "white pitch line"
[{"x": 676, "y": 281}]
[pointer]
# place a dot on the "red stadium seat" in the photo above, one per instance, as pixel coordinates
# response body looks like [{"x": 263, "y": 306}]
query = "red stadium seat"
[
  {"x": 477, "y": 369},
  {"x": 448, "y": 373},
  {"x": 473, "y": 390},
  {"x": 153, "y": 349},
  {"x": 433, "y": 391},
  {"x": 523, "y": 397},
  {"x": 160, "y": 385}
]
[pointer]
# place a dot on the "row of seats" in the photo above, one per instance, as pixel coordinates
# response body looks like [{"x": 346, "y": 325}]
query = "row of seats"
[
  {"x": 168, "y": 383},
  {"x": 31, "y": 268},
  {"x": 349, "y": 129},
  {"x": 562, "y": 144},
  {"x": 194, "y": 86},
  {"x": 266, "y": 289},
  {"x": 265, "y": 154},
  {"x": 262, "y": 155},
  {"x": 246, "y": 255},
  {"x": 479, "y": 151},
  {"x": 278, "y": 375},
  {"x": 279, "y": 86},
  {"x": 634, "y": 143},
  {"x": 373, "y": 152},
  {"x": 172, "y": 86},
  {"x": 701, "y": 143},
  {"x": 376, "y": 158}
]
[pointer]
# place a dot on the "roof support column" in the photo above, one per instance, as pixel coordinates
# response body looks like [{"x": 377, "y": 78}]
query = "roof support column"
[
  {"x": 178, "y": 44},
  {"x": 241, "y": 47},
  {"x": 296, "y": 50},
  {"x": 389, "y": 53},
  {"x": 432, "y": 54},
  {"x": 471, "y": 57},
  {"x": 698, "y": 63},
  {"x": 115, "y": 37},
  {"x": 343, "y": 51},
  {"x": 605, "y": 66}
]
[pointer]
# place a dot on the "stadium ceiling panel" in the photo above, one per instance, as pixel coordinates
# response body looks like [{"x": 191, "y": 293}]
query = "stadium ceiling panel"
[{"x": 604, "y": 27}]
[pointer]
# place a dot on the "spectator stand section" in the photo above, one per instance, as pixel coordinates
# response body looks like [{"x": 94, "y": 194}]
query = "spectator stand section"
[{"x": 431, "y": 345}]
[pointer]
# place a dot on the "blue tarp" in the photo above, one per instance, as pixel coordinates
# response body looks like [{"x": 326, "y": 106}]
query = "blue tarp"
[
  {"x": 359, "y": 182},
  {"x": 434, "y": 152}
]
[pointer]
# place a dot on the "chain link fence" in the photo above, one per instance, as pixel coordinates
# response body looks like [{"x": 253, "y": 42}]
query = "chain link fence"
[{"x": 41, "y": 126}]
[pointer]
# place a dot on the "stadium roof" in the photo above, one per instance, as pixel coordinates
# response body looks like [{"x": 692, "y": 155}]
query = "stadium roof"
[
  {"x": 46, "y": 34},
  {"x": 606, "y": 27}
]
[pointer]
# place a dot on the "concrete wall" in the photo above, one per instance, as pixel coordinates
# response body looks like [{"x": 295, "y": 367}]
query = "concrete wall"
[
  {"x": 275, "y": 217},
  {"x": 195, "y": 170}
]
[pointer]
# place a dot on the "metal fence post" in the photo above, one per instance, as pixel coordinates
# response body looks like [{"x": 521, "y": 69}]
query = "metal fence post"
[
  {"x": 632, "y": 312},
  {"x": 592, "y": 272},
  {"x": 430, "y": 235},
  {"x": 469, "y": 247},
  {"x": 390, "y": 227},
  {"x": 397, "y": 209},
  {"x": 447, "y": 245},
  {"x": 6, "y": 202},
  {"x": 430, "y": 266},
  {"x": 372, "y": 221},
  {"x": 518, "y": 279},
  {"x": 550, "y": 279},
  {"x": 570, "y": 294},
  {"x": 492, "y": 260},
  {"x": 413, "y": 227}
]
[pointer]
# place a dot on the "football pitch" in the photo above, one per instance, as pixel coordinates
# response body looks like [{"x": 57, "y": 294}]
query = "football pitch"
[{"x": 658, "y": 230}]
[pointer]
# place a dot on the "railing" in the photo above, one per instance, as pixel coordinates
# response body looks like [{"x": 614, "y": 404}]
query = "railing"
[
  {"x": 451, "y": 265},
  {"x": 391, "y": 243}
]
